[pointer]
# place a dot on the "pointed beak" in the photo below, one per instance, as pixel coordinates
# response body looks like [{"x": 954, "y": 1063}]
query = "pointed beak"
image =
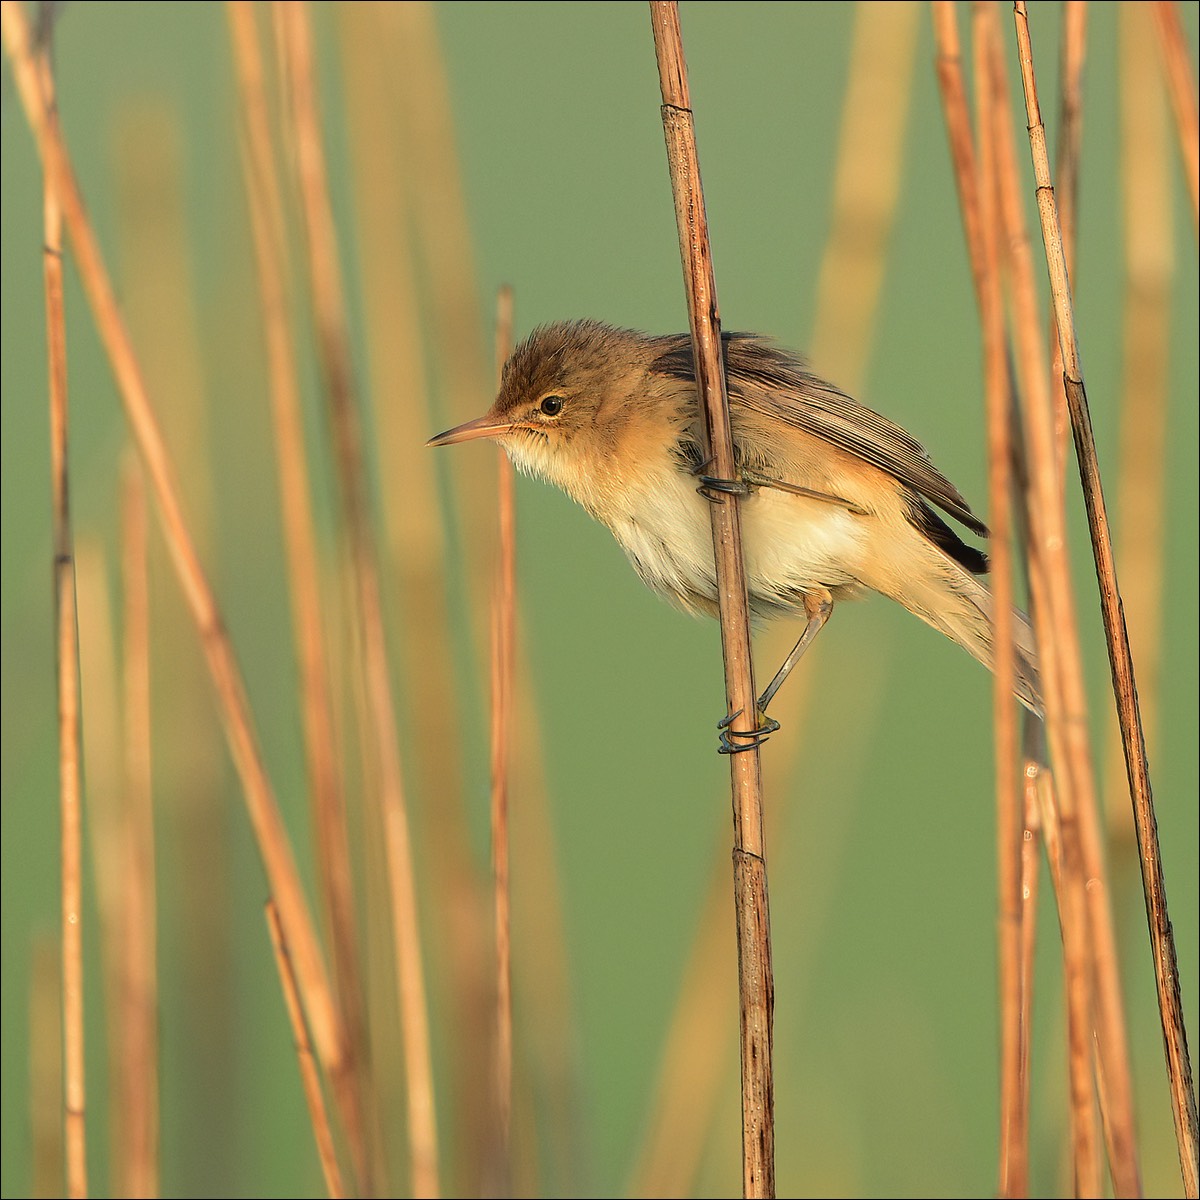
[{"x": 481, "y": 427}]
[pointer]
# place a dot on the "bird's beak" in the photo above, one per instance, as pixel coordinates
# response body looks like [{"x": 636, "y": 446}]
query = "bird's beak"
[{"x": 481, "y": 427}]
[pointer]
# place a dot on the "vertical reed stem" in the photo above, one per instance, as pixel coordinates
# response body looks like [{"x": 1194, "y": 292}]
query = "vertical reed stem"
[{"x": 756, "y": 986}]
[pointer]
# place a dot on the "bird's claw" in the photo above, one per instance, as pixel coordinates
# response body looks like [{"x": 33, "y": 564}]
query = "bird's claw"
[
  {"x": 752, "y": 738},
  {"x": 711, "y": 484}
]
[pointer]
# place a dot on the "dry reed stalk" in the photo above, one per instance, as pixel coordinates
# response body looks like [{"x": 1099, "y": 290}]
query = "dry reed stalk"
[
  {"x": 756, "y": 986},
  {"x": 1181, "y": 84},
  {"x": 270, "y": 832},
  {"x": 1149, "y": 245},
  {"x": 103, "y": 748},
  {"x": 866, "y": 186},
  {"x": 442, "y": 238},
  {"x": 1054, "y": 622},
  {"x": 267, "y": 221},
  {"x": 67, "y": 663},
  {"x": 1016, "y": 925},
  {"x": 503, "y": 670},
  {"x": 138, "y": 1014},
  {"x": 326, "y": 291},
  {"x": 388, "y": 196},
  {"x": 1115, "y": 1073},
  {"x": 310, "y": 1077},
  {"x": 1072, "y": 57},
  {"x": 46, "y": 1070},
  {"x": 1011, "y": 912}
]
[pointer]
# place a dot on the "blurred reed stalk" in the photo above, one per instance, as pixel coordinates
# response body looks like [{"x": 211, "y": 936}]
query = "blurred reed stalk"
[
  {"x": 265, "y": 818},
  {"x": 310, "y": 1077},
  {"x": 756, "y": 986},
  {"x": 67, "y": 648},
  {"x": 1162, "y": 939},
  {"x": 46, "y": 1125},
  {"x": 1052, "y": 609},
  {"x": 268, "y": 224},
  {"x": 1181, "y": 85},
  {"x": 304, "y": 585},
  {"x": 975, "y": 176},
  {"x": 503, "y": 669},
  {"x": 136, "y": 1020},
  {"x": 304, "y": 137},
  {"x": 1149, "y": 245}
]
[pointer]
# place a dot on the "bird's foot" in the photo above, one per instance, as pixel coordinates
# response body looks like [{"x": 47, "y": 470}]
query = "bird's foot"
[
  {"x": 712, "y": 487},
  {"x": 749, "y": 739}
]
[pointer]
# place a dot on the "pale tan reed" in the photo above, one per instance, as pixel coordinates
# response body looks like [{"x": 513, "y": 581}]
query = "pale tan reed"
[
  {"x": 137, "y": 1019},
  {"x": 756, "y": 985},
  {"x": 975, "y": 177},
  {"x": 1181, "y": 84},
  {"x": 503, "y": 670},
  {"x": 866, "y": 186},
  {"x": 327, "y": 295},
  {"x": 67, "y": 645},
  {"x": 310, "y": 1077},
  {"x": 268, "y": 226}
]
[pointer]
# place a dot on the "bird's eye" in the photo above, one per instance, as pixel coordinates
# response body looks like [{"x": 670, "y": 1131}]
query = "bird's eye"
[{"x": 551, "y": 406}]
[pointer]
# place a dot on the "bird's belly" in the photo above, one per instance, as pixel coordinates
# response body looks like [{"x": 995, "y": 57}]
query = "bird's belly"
[{"x": 791, "y": 544}]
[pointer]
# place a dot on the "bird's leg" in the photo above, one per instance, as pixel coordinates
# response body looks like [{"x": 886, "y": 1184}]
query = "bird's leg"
[{"x": 818, "y": 604}]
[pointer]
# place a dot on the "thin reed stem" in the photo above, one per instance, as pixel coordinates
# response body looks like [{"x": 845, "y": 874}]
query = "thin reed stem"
[
  {"x": 316, "y": 700},
  {"x": 327, "y": 295},
  {"x": 309, "y": 1075},
  {"x": 756, "y": 985},
  {"x": 1014, "y": 1106},
  {"x": 1109, "y": 1009},
  {"x": 67, "y": 646},
  {"x": 503, "y": 666},
  {"x": 975, "y": 176},
  {"x": 137, "y": 941}
]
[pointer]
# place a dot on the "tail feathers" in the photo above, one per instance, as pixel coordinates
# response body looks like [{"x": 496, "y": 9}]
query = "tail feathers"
[{"x": 962, "y": 607}]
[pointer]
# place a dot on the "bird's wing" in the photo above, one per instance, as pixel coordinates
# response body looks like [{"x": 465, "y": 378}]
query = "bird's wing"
[{"x": 772, "y": 383}]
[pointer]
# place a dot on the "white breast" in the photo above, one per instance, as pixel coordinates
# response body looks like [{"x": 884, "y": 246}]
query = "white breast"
[{"x": 792, "y": 544}]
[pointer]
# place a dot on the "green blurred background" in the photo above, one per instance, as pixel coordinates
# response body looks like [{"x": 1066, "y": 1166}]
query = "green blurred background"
[{"x": 881, "y": 842}]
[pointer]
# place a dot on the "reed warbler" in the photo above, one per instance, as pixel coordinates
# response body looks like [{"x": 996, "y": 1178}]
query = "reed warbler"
[{"x": 837, "y": 500}]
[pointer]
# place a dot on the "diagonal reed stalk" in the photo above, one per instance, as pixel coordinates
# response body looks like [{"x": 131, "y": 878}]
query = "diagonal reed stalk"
[
  {"x": 267, "y": 225},
  {"x": 67, "y": 647},
  {"x": 756, "y": 986},
  {"x": 265, "y": 205},
  {"x": 295, "y": 46},
  {"x": 310, "y": 1077},
  {"x": 1166, "y": 970},
  {"x": 266, "y": 820}
]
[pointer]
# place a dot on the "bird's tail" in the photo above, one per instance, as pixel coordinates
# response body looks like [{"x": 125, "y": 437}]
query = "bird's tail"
[{"x": 961, "y": 606}]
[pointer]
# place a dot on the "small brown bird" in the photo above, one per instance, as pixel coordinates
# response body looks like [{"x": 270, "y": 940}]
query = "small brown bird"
[{"x": 837, "y": 500}]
